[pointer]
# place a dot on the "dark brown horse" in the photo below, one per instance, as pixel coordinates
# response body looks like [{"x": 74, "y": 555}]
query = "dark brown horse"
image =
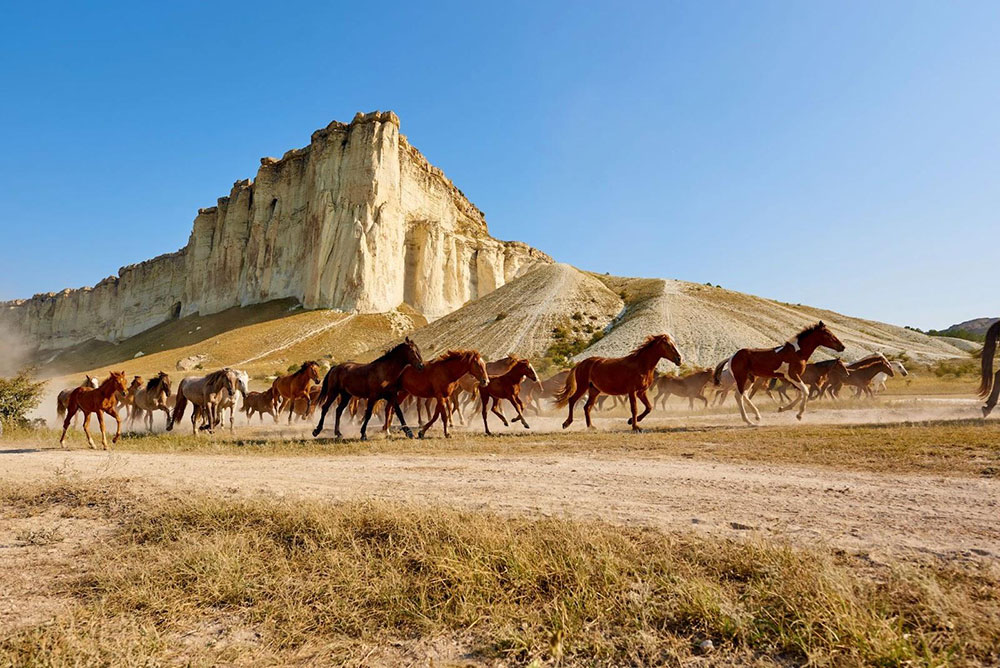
[
  {"x": 102, "y": 399},
  {"x": 468, "y": 386},
  {"x": 786, "y": 362},
  {"x": 691, "y": 385},
  {"x": 631, "y": 375},
  {"x": 989, "y": 384},
  {"x": 437, "y": 380},
  {"x": 506, "y": 386},
  {"x": 373, "y": 381},
  {"x": 296, "y": 386}
]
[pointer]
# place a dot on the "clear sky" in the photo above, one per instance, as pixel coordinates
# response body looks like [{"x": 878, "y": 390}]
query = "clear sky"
[{"x": 843, "y": 155}]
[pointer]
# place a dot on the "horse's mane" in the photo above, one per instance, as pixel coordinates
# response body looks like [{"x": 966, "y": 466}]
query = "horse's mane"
[
  {"x": 869, "y": 362},
  {"x": 216, "y": 375},
  {"x": 390, "y": 352},
  {"x": 455, "y": 354},
  {"x": 305, "y": 365},
  {"x": 650, "y": 340},
  {"x": 811, "y": 329},
  {"x": 156, "y": 381}
]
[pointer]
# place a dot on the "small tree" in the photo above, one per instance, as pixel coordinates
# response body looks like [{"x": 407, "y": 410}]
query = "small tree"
[{"x": 19, "y": 395}]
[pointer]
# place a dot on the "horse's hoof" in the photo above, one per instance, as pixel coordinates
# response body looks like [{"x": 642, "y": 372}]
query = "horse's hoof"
[
  {"x": 566, "y": 424},
  {"x": 408, "y": 432},
  {"x": 420, "y": 435},
  {"x": 986, "y": 412},
  {"x": 525, "y": 425},
  {"x": 364, "y": 437},
  {"x": 316, "y": 433},
  {"x": 798, "y": 417}
]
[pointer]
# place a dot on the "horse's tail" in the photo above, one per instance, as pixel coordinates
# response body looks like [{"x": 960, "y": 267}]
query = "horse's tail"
[
  {"x": 563, "y": 394},
  {"x": 717, "y": 375},
  {"x": 989, "y": 349},
  {"x": 324, "y": 388},
  {"x": 178, "y": 409},
  {"x": 61, "y": 406}
]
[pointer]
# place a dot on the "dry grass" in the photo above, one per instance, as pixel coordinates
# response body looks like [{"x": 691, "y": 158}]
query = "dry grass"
[
  {"x": 952, "y": 448},
  {"x": 205, "y": 580}
]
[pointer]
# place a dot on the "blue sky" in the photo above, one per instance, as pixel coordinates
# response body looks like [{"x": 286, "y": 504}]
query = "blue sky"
[{"x": 843, "y": 155}]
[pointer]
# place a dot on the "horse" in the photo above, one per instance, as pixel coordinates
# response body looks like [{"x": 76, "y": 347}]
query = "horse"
[
  {"x": 989, "y": 384},
  {"x": 787, "y": 362},
  {"x": 100, "y": 400},
  {"x": 126, "y": 399},
  {"x": 836, "y": 381},
  {"x": 204, "y": 393},
  {"x": 260, "y": 402},
  {"x": 228, "y": 400},
  {"x": 817, "y": 375},
  {"x": 468, "y": 386},
  {"x": 296, "y": 386},
  {"x": 437, "y": 380},
  {"x": 860, "y": 377},
  {"x": 506, "y": 386},
  {"x": 372, "y": 381},
  {"x": 631, "y": 375},
  {"x": 62, "y": 400},
  {"x": 151, "y": 398},
  {"x": 878, "y": 382},
  {"x": 304, "y": 408},
  {"x": 691, "y": 385}
]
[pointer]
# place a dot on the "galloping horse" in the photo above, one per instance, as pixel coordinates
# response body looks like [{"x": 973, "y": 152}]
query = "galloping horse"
[
  {"x": 468, "y": 386},
  {"x": 437, "y": 380},
  {"x": 989, "y": 385},
  {"x": 691, "y": 386},
  {"x": 372, "y": 381},
  {"x": 296, "y": 386},
  {"x": 151, "y": 398},
  {"x": 860, "y": 378},
  {"x": 260, "y": 402},
  {"x": 631, "y": 375},
  {"x": 787, "y": 361},
  {"x": 127, "y": 401},
  {"x": 818, "y": 376},
  {"x": 507, "y": 386},
  {"x": 63, "y": 399},
  {"x": 204, "y": 393},
  {"x": 100, "y": 400},
  {"x": 228, "y": 400},
  {"x": 878, "y": 382}
]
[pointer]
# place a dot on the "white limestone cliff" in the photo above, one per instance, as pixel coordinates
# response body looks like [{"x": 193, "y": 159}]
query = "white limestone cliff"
[{"x": 357, "y": 220}]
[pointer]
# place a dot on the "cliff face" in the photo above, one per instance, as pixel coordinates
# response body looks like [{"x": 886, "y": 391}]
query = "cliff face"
[{"x": 358, "y": 220}]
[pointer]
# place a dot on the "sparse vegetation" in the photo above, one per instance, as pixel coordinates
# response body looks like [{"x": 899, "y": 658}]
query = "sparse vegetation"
[
  {"x": 311, "y": 582},
  {"x": 19, "y": 395}
]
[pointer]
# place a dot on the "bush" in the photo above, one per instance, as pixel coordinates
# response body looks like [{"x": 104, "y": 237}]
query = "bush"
[{"x": 19, "y": 396}]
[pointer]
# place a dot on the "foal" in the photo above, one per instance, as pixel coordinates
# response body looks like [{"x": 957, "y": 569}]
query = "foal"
[
  {"x": 102, "y": 399},
  {"x": 507, "y": 386}
]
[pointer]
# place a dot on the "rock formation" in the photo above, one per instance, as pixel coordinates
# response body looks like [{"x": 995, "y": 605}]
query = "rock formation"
[{"x": 358, "y": 221}]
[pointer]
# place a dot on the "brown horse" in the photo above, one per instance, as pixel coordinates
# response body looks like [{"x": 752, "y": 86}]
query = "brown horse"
[
  {"x": 837, "y": 379},
  {"x": 437, "y": 380},
  {"x": 818, "y": 376},
  {"x": 296, "y": 386},
  {"x": 304, "y": 408},
  {"x": 100, "y": 400},
  {"x": 62, "y": 400},
  {"x": 260, "y": 403},
  {"x": 468, "y": 386},
  {"x": 631, "y": 375},
  {"x": 989, "y": 384},
  {"x": 860, "y": 378},
  {"x": 691, "y": 385},
  {"x": 151, "y": 398},
  {"x": 506, "y": 386},
  {"x": 372, "y": 381},
  {"x": 787, "y": 361}
]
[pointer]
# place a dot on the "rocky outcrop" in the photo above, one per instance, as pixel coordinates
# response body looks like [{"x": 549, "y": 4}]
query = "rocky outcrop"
[{"x": 357, "y": 220}]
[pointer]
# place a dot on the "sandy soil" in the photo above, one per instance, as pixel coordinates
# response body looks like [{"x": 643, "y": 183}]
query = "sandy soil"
[{"x": 881, "y": 515}]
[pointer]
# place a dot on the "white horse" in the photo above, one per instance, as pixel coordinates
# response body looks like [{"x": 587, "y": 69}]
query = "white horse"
[
  {"x": 227, "y": 400},
  {"x": 878, "y": 382}
]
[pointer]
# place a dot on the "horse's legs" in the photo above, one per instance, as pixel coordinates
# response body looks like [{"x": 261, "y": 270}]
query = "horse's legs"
[
  {"x": 369, "y": 405},
  {"x": 498, "y": 413},
  {"x": 100, "y": 423},
  {"x": 577, "y": 393},
  {"x": 438, "y": 408},
  {"x": 804, "y": 391},
  {"x": 322, "y": 413},
  {"x": 641, "y": 394},
  {"x": 589, "y": 406},
  {"x": 519, "y": 407},
  {"x": 991, "y": 401},
  {"x": 118, "y": 431},
  {"x": 445, "y": 410},
  {"x": 72, "y": 416},
  {"x": 391, "y": 405},
  {"x": 704, "y": 400},
  {"x": 341, "y": 405},
  {"x": 86, "y": 429},
  {"x": 482, "y": 402},
  {"x": 634, "y": 420}
]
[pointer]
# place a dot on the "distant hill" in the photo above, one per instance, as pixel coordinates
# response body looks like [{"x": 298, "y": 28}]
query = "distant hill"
[{"x": 970, "y": 330}]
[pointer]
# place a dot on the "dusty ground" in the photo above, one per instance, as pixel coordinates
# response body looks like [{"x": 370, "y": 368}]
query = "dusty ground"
[{"x": 878, "y": 512}]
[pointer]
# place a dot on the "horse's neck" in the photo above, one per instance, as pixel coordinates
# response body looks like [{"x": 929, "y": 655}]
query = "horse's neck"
[
  {"x": 648, "y": 359},
  {"x": 107, "y": 389},
  {"x": 455, "y": 368},
  {"x": 805, "y": 348}
]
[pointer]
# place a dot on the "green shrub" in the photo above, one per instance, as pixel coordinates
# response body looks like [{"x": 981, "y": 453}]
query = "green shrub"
[{"x": 19, "y": 396}]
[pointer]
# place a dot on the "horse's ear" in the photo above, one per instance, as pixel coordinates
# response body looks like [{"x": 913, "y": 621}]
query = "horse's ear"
[{"x": 821, "y": 324}]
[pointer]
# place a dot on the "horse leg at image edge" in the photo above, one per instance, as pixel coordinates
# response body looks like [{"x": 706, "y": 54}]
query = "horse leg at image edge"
[
  {"x": 634, "y": 420},
  {"x": 589, "y": 406}
]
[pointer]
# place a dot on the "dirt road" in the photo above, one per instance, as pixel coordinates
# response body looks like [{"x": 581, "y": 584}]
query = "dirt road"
[{"x": 899, "y": 515}]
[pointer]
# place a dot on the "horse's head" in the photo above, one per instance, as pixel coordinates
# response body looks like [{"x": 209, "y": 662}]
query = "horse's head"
[
  {"x": 886, "y": 367},
  {"x": 477, "y": 367},
  {"x": 902, "y": 369},
  {"x": 838, "y": 371},
  {"x": 312, "y": 368},
  {"x": 411, "y": 353},
  {"x": 91, "y": 381},
  {"x": 136, "y": 384},
  {"x": 664, "y": 346},
  {"x": 524, "y": 368},
  {"x": 243, "y": 382},
  {"x": 164, "y": 382},
  {"x": 229, "y": 381},
  {"x": 823, "y": 337},
  {"x": 117, "y": 380}
]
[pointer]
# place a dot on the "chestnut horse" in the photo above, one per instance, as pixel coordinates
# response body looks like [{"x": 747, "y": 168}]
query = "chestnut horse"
[
  {"x": 102, "y": 399},
  {"x": 63, "y": 398},
  {"x": 260, "y": 402},
  {"x": 507, "y": 386},
  {"x": 296, "y": 386},
  {"x": 631, "y": 375},
  {"x": 786, "y": 362},
  {"x": 989, "y": 384},
  {"x": 468, "y": 387},
  {"x": 860, "y": 378},
  {"x": 690, "y": 385},
  {"x": 151, "y": 398},
  {"x": 372, "y": 381},
  {"x": 437, "y": 380}
]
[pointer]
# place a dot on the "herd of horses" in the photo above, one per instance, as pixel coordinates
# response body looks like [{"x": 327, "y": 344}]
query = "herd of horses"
[{"x": 449, "y": 384}]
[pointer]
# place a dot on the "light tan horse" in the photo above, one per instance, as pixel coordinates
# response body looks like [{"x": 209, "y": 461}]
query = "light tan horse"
[
  {"x": 151, "y": 398},
  {"x": 203, "y": 392},
  {"x": 690, "y": 386},
  {"x": 296, "y": 386},
  {"x": 260, "y": 403},
  {"x": 100, "y": 400},
  {"x": 631, "y": 375}
]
